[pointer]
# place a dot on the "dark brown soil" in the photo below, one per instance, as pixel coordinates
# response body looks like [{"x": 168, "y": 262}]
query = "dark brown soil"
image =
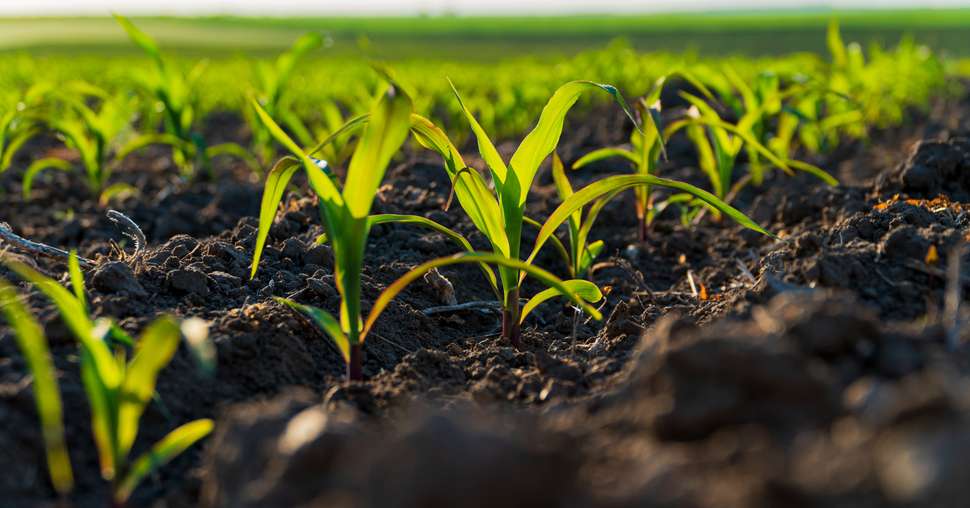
[{"x": 819, "y": 371}]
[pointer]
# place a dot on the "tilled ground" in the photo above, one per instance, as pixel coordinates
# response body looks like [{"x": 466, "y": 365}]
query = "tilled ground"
[{"x": 820, "y": 370}]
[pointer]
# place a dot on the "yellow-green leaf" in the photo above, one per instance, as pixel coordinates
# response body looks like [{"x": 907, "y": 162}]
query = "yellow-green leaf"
[{"x": 30, "y": 339}]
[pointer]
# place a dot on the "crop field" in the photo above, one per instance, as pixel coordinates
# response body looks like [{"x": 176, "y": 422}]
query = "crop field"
[{"x": 679, "y": 260}]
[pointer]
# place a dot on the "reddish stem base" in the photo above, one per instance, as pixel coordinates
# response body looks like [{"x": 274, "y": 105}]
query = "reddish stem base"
[{"x": 355, "y": 368}]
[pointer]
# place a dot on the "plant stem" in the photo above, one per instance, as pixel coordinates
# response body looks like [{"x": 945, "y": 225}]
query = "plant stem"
[
  {"x": 510, "y": 320},
  {"x": 642, "y": 228},
  {"x": 355, "y": 369}
]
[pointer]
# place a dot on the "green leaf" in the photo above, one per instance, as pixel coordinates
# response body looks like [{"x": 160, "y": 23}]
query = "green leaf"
[
  {"x": 582, "y": 288},
  {"x": 749, "y": 140},
  {"x": 273, "y": 189},
  {"x": 617, "y": 183},
  {"x": 234, "y": 150},
  {"x": 813, "y": 170},
  {"x": 383, "y": 136},
  {"x": 563, "y": 252},
  {"x": 141, "y": 39},
  {"x": 33, "y": 345},
  {"x": 835, "y": 44},
  {"x": 605, "y": 153},
  {"x": 324, "y": 187},
  {"x": 146, "y": 140},
  {"x": 473, "y": 194},
  {"x": 74, "y": 315},
  {"x": 543, "y": 139},
  {"x": 325, "y": 321},
  {"x": 13, "y": 145},
  {"x": 115, "y": 190},
  {"x": 39, "y": 165},
  {"x": 352, "y": 125},
  {"x": 155, "y": 349},
  {"x": 565, "y": 189},
  {"x": 471, "y": 257},
  {"x": 485, "y": 146},
  {"x": 173, "y": 444},
  {"x": 77, "y": 279},
  {"x": 453, "y": 235}
]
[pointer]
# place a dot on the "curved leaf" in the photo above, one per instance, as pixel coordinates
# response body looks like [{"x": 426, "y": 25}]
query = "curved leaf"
[
  {"x": 77, "y": 279},
  {"x": 470, "y": 257},
  {"x": 456, "y": 237},
  {"x": 605, "y": 153},
  {"x": 276, "y": 182},
  {"x": 39, "y": 165},
  {"x": 235, "y": 150},
  {"x": 114, "y": 190},
  {"x": 33, "y": 345},
  {"x": 583, "y": 288},
  {"x": 473, "y": 194},
  {"x": 348, "y": 128},
  {"x": 542, "y": 140},
  {"x": 383, "y": 136},
  {"x": 813, "y": 170},
  {"x": 325, "y": 321},
  {"x": 605, "y": 186},
  {"x": 146, "y": 140},
  {"x": 176, "y": 442},
  {"x": 154, "y": 350},
  {"x": 327, "y": 190},
  {"x": 485, "y": 146},
  {"x": 560, "y": 248},
  {"x": 74, "y": 315}
]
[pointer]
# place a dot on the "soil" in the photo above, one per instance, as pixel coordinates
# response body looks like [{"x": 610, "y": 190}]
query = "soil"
[{"x": 818, "y": 369}]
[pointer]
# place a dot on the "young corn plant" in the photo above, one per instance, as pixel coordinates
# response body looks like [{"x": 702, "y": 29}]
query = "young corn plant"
[
  {"x": 92, "y": 131},
  {"x": 344, "y": 213},
  {"x": 500, "y": 215},
  {"x": 272, "y": 83},
  {"x": 118, "y": 390},
  {"x": 178, "y": 95},
  {"x": 719, "y": 145},
  {"x": 646, "y": 148}
]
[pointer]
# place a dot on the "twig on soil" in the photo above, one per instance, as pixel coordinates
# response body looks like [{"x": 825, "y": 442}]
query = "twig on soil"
[
  {"x": 476, "y": 305},
  {"x": 128, "y": 228},
  {"x": 391, "y": 342},
  {"x": 17, "y": 241}
]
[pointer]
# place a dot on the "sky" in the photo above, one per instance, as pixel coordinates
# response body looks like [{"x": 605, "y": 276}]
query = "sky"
[{"x": 391, "y": 7}]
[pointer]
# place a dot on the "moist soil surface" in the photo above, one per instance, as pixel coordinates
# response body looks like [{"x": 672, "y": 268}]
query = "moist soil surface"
[{"x": 823, "y": 368}]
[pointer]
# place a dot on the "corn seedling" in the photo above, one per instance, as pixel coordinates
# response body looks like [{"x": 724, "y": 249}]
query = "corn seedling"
[
  {"x": 719, "y": 144},
  {"x": 177, "y": 94},
  {"x": 91, "y": 131},
  {"x": 500, "y": 216},
  {"x": 118, "y": 390},
  {"x": 344, "y": 213},
  {"x": 646, "y": 147},
  {"x": 272, "y": 83}
]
